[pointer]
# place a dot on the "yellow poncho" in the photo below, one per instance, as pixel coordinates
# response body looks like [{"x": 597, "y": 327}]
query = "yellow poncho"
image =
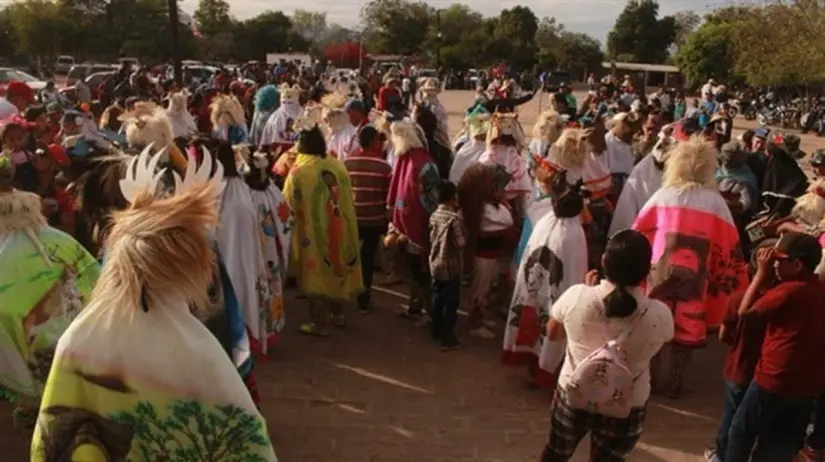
[{"x": 325, "y": 253}]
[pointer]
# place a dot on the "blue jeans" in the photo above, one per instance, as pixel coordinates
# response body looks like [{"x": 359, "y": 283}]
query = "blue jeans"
[
  {"x": 778, "y": 422},
  {"x": 444, "y": 309},
  {"x": 733, "y": 398}
]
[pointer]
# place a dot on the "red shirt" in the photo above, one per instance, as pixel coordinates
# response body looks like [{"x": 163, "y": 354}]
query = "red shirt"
[
  {"x": 744, "y": 336},
  {"x": 794, "y": 346},
  {"x": 384, "y": 95}
]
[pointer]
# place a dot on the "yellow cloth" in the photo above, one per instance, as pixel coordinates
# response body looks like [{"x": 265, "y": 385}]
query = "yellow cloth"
[{"x": 325, "y": 253}]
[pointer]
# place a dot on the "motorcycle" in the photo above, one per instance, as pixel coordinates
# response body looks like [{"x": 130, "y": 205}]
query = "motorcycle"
[
  {"x": 751, "y": 110},
  {"x": 734, "y": 108}
]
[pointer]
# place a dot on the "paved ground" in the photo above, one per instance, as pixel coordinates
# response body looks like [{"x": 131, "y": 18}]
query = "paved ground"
[{"x": 380, "y": 391}]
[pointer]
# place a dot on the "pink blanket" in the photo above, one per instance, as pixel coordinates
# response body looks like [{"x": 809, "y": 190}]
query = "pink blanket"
[{"x": 697, "y": 260}]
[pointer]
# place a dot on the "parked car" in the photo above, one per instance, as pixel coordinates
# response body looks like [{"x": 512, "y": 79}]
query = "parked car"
[
  {"x": 93, "y": 81},
  {"x": 8, "y": 74},
  {"x": 63, "y": 64},
  {"x": 202, "y": 74},
  {"x": 131, "y": 61},
  {"x": 423, "y": 74},
  {"x": 81, "y": 71},
  {"x": 555, "y": 78}
]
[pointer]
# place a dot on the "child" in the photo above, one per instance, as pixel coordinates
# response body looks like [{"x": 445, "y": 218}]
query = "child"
[
  {"x": 370, "y": 176},
  {"x": 778, "y": 403},
  {"x": 743, "y": 336},
  {"x": 446, "y": 244}
]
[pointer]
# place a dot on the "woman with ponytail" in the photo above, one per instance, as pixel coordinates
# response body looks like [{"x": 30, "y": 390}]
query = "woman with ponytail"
[{"x": 589, "y": 316}]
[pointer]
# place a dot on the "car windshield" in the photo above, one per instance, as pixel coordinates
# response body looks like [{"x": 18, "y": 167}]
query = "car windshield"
[
  {"x": 21, "y": 76},
  {"x": 426, "y": 73}
]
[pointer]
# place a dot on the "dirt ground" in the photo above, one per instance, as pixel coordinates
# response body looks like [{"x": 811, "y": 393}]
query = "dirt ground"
[{"x": 380, "y": 391}]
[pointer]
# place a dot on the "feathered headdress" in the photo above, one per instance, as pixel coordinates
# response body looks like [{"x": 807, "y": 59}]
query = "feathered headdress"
[
  {"x": 692, "y": 164},
  {"x": 381, "y": 120},
  {"x": 405, "y": 135},
  {"x": 310, "y": 118},
  {"x": 226, "y": 111},
  {"x": 159, "y": 248},
  {"x": 505, "y": 124},
  {"x": 290, "y": 93}
]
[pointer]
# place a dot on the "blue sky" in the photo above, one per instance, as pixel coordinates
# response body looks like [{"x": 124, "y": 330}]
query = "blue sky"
[{"x": 594, "y": 17}]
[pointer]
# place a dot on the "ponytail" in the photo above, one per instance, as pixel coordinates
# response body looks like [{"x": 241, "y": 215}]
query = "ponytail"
[{"x": 619, "y": 303}]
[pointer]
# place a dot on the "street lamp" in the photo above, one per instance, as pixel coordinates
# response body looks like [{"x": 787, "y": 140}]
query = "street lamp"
[{"x": 437, "y": 40}]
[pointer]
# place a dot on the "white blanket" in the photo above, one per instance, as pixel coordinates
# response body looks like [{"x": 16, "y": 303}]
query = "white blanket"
[{"x": 275, "y": 130}]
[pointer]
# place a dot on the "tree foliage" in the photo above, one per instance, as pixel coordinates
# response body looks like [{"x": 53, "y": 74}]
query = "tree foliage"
[{"x": 639, "y": 35}]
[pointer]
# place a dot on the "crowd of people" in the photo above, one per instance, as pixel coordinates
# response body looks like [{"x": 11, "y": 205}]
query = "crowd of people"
[{"x": 146, "y": 251}]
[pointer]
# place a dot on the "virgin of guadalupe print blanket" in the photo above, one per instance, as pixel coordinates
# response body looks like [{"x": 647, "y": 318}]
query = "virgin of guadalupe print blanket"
[
  {"x": 325, "y": 251},
  {"x": 239, "y": 239},
  {"x": 697, "y": 259},
  {"x": 275, "y": 220},
  {"x": 161, "y": 389},
  {"x": 45, "y": 280},
  {"x": 552, "y": 261}
]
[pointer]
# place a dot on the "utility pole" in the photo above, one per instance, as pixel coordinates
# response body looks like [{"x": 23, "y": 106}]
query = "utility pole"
[
  {"x": 438, "y": 40},
  {"x": 174, "y": 24}
]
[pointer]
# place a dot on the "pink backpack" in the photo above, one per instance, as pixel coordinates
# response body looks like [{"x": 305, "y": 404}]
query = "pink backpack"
[{"x": 602, "y": 383}]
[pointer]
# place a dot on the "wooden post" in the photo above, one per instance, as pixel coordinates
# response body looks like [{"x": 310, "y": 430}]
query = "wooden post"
[{"x": 174, "y": 24}]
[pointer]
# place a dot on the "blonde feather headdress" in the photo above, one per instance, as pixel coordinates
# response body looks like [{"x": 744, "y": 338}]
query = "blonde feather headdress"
[
  {"x": 333, "y": 110},
  {"x": 570, "y": 149},
  {"x": 549, "y": 126},
  {"x": 310, "y": 118}
]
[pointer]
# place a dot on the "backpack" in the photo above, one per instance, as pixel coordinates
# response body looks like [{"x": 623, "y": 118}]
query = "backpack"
[{"x": 602, "y": 383}]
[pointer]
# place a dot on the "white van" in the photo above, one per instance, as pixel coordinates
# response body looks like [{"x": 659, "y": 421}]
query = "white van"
[{"x": 63, "y": 64}]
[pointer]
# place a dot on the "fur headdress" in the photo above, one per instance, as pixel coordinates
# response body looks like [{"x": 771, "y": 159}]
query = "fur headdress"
[
  {"x": 625, "y": 124},
  {"x": 290, "y": 93},
  {"x": 664, "y": 145},
  {"x": 505, "y": 124},
  {"x": 178, "y": 101},
  {"x": 405, "y": 135},
  {"x": 159, "y": 246},
  {"x": 570, "y": 149},
  {"x": 810, "y": 207},
  {"x": 333, "y": 110},
  {"x": 147, "y": 124},
  {"x": 19, "y": 210},
  {"x": 381, "y": 120},
  {"x": 692, "y": 164},
  {"x": 549, "y": 126},
  {"x": 226, "y": 111}
]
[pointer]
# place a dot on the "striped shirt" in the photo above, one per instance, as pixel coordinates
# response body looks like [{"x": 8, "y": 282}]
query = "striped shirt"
[{"x": 370, "y": 177}]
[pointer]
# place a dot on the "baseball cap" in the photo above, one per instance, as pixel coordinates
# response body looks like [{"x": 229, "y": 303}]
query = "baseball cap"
[
  {"x": 799, "y": 246},
  {"x": 17, "y": 88},
  {"x": 760, "y": 133}
]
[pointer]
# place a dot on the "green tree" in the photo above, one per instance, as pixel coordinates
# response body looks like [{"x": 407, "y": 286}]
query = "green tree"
[
  {"x": 396, "y": 26},
  {"x": 213, "y": 17},
  {"x": 38, "y": 27},
  {"x": 708, "y": 52},
  {"x": 686, "y": 23},
  {"x": 639, "y": 35},
  {"x": 270, "y": 31},
  {"x": 311, "y": 25},
  {"x": 515, "y": 31},
  {"x": 461, "y": 43},
  {"x": 579, "y": 53},
  {"x": 548, "y": 42}
]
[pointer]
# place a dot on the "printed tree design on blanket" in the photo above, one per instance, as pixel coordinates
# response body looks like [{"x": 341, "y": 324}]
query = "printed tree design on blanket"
[{"x": 191, "y": 433}]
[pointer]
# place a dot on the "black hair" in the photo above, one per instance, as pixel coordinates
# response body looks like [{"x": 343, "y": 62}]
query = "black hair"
[
  {"x": 568, "y": 200},
  {"x": 627, "y": 259},
  {"x": 446, "y": 191},
  {"x": 226, "y": 156},
  {"x": 367, "y": 136},
  {"x": 312, "y": 141}
]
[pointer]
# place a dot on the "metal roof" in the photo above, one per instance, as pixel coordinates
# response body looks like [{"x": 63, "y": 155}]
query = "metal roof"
[{"x": 641, "y": 67}]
